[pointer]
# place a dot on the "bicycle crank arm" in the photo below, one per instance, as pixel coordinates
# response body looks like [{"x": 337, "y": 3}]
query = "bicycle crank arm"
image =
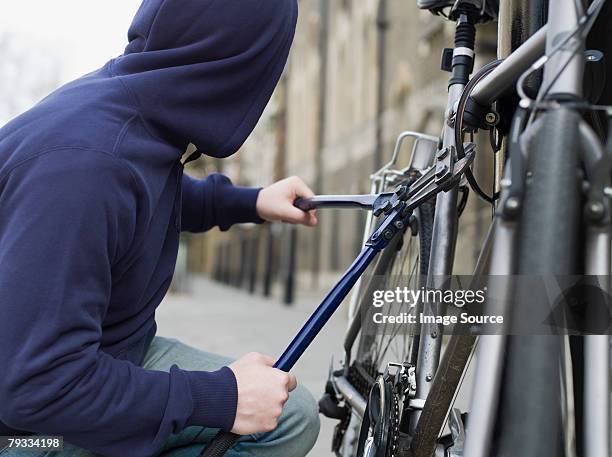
[
  {"x": 394, "y": 223},
  {"x": 367, "y": 201}
]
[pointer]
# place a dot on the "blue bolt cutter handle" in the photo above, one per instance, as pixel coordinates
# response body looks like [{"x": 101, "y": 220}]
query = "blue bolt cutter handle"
[
  {"x": 393, "y": 224},
  {"x": 385, "y": 232}
]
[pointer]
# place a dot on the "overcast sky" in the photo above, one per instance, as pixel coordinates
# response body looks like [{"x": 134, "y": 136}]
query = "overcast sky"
[{"x": 84, "y": 34}]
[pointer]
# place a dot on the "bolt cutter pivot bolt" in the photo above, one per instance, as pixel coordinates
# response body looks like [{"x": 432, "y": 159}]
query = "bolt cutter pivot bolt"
[
  {"x": 401, "y": 192},
  {"x": 441, "y": 171},
  {"x": 442, "y": 153}
]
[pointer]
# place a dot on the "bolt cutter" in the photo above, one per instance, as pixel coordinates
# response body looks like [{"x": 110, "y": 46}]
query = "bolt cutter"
[{"x": 397, "y": 208}]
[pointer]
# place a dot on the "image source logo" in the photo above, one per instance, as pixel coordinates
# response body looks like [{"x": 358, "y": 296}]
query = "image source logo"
[{"x": 513, "y": 305}]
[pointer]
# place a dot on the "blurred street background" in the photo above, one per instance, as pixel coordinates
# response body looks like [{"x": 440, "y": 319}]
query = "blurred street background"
[{"x": 359, "y": 73}]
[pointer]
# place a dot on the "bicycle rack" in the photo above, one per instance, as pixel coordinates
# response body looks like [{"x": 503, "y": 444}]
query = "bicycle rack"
[{"x": 421, "y": 157}]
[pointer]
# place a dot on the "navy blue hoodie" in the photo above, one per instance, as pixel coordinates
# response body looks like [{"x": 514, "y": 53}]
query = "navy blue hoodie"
[{"x": 92, "y": 200}]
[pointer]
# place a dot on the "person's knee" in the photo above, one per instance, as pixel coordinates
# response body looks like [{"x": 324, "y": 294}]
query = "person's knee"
[{"x": 302, "y": 417}]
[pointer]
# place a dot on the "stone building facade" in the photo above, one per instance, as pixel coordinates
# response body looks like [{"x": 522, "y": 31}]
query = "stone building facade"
[{"x": 359, "y": 73}]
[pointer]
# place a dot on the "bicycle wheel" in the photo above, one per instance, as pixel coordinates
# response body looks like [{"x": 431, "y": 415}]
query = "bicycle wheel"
[
  {"x": 529, "y": 421},
  {"x": 407, "y": 268}
]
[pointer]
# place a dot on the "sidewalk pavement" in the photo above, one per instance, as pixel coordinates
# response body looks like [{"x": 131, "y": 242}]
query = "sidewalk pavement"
[{"x": 229, "y": 321}]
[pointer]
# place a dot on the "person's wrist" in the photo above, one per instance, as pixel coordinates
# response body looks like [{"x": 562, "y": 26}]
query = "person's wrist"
[
  {"x": 249, "y": 198},
  {"x": 260, "y": 205},
  {"x": 215, "y": 398}
]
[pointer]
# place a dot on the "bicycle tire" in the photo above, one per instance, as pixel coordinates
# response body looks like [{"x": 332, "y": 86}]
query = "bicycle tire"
[{"x": 529, "y": 419}]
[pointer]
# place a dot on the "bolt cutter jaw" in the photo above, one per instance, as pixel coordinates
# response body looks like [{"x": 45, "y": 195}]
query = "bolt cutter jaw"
[{"x": 428, "y": 185}]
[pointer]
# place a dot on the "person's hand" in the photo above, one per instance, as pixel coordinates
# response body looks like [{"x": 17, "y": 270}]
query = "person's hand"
[
  {"x": 262, "y": 392},
  {"x": 275, "y": 202}
]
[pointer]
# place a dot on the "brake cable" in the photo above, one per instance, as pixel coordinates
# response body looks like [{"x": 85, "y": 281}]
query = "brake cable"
[{"x": 467, "y": 91}]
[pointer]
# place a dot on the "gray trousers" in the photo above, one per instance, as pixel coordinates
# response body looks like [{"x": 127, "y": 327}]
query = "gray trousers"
[{"x": 295, "y": 435}]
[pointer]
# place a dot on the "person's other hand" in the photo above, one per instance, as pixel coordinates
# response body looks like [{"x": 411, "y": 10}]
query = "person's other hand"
[
  {"x": 275, "y": 202},
  {"x": 262, "y": 392}
]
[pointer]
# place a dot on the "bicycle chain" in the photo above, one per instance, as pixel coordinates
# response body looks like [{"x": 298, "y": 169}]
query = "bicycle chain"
[
  {"x": 362, "y": 378},
  {"x": 394, "y": 433}
]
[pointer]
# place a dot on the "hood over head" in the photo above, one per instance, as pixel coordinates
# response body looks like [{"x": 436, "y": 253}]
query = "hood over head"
[{"x": 202, "y": 71}]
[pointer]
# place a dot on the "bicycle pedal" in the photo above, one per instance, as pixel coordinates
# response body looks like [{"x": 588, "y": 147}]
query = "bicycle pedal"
[{"x": 329, "y": 407}]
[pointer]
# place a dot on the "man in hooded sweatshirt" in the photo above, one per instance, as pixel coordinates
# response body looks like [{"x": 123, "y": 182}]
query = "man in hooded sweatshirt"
[{"x": 92, "y": 201}]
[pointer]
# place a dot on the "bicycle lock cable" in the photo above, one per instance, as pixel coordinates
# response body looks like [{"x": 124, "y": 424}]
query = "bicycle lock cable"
[{"x": 465, "y": 95}]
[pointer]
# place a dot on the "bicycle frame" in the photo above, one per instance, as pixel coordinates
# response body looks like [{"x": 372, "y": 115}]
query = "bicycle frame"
[
  {"x": 501, "y": 80},
  {"x": 444, "y": 237},
  {"x": 501, "y": 256},
  {"x": 530, "y": 54}
]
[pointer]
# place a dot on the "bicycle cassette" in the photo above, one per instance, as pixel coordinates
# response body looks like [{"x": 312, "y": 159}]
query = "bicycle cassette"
[{"x": 379, "y": 433}]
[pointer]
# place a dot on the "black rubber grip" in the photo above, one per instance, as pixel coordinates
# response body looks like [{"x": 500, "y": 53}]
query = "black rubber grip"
[
  {"x": 220, "y": 444},
  {"x": 305, "y": 204}
]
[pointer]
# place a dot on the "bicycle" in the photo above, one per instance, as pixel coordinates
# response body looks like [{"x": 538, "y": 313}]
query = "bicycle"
[{"x": 534, "y": 394}]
